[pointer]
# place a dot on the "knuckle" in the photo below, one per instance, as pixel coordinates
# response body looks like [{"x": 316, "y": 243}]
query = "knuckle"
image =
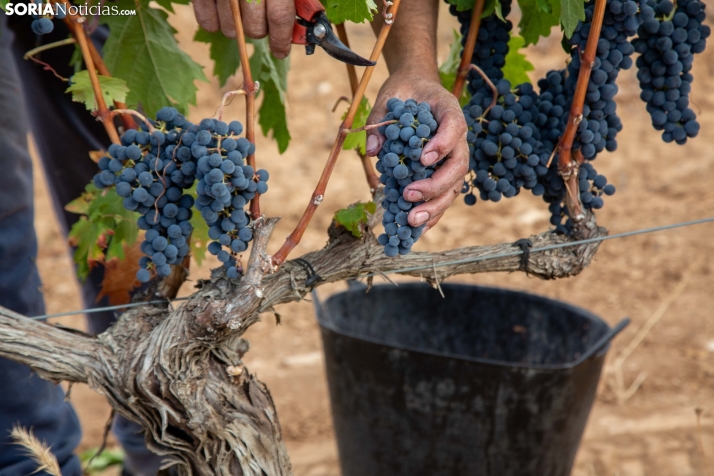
[
  {"x": 255, "y": 31},
  {"x": 209, "y": 25},
  {"x": 280, "y": 17}
]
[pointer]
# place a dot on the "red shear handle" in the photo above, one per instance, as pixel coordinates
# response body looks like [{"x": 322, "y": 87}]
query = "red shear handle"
[{"x": 307, "y": 9}]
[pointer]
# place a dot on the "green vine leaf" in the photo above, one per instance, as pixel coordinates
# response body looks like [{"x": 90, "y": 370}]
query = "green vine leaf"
[
  {"x": 113, "y": 89},
  {"x": 354, "y": 217},
  {"x": 358, "y": 140},
  {"x": 493, "y": 6},
  {"x": 102, "y": 230},
  {"x": 101, "y": 461},
  {"x": 463, "y": 5},
  {"x": 199, "y": 235},
  {"x": 3, "y": 4},
  {"x": 272, "y": 73},
  {"x": 571, "y": 12},
  {"x": 143, "y": 51},
  {"x": 516, "y": 63},
  {"x": 356, "y": 11},
  {"x": 535, "y": 21},
  {"x": 223, "y": 52},
  {"x": 545, "y": 6},
  {"x": 166, "y": 4}
]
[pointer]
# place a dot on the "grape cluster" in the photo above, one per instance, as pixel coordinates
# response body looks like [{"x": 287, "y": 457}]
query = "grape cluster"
[
  {"x": 668, "y": 39},
  {"x": 506, "y": 153},
  {"x": 225, "y": 185},
  {"x": 151, "y": 170},
  {"x": 151, "y": 176},
  {"x": 600, "y": 125},
  {"x": 552, "y": 120},
  {"x": 491, "y": 43},
  {"x": 399, "y": 165}
]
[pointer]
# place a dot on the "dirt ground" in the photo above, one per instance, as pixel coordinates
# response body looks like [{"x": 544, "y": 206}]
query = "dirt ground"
[{"x": 654, "y": 432}]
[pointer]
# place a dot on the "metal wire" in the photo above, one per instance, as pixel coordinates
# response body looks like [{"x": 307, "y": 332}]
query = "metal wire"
[
  {"x": 544, "y": 248},
  {"x": 107, "y": 308},
  {"x": 430, "y": 266}
]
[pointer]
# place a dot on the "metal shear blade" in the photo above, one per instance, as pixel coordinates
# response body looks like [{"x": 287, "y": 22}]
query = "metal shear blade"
[
  {"x": 313, "y": 28},
  {"x": 321, "y": 34}
]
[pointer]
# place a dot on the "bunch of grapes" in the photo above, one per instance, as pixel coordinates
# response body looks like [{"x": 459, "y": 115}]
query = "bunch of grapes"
[
  {"x": 506, "y": 153},
  {"x": 399, "y": 165},
  {"x": 491, "y": 43},
  {"x": 600, "y": 125},
  {"x": 668, "y": 40},
  {"x": 151, "y": 170},
  {"x": 225, "y": 186},
  {"x": 554, "y": 108}
]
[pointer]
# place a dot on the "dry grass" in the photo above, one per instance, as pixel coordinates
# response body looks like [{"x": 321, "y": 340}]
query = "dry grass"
[{"x": 36, "y": 450}]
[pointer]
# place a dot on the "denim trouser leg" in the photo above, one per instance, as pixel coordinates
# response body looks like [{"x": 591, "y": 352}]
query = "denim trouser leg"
[
  {"x": 64, "y": 133},
  {"x": 25, "y": 399}
]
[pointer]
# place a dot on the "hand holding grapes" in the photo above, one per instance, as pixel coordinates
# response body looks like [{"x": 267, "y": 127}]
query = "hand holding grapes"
[
  {"x": 410, "y": 53},
  {"x": 442, "y": 188}
]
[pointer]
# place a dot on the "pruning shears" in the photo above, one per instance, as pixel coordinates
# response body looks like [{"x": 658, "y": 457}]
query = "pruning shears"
[{"x": 313, "y": 28}]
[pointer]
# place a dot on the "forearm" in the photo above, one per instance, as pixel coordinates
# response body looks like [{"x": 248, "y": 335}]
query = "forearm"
[{"x": 411, "y": 45}]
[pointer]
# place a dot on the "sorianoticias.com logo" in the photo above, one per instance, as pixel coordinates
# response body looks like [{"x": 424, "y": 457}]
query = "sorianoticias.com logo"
[{"x": 44, "y": 13}]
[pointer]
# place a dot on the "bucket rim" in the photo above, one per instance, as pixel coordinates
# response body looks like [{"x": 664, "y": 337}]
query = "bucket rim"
[{"x": 598, "y": 349}]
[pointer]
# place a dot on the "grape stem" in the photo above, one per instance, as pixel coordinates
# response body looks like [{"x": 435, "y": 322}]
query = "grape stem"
[
  {"x": 318, "y": 195},
  {"x": 568, "y": 165},
  {"x": 473, "y": 67},
  {"x": 49, "y": 68},
  {"x": 339, "y": 100},
  {"x": 370, "y": 126},
  {"x": 74, "y": 23},
  {"x": 131, "y": 112},
  {"x": 250, "y": 90},
  {"x": 226, "y": 97},
  {"x": 468, "y": 51},
  {"x": 127, "y": 119},
  {"x": 369, "y": 172},
  {"x": 49, "y": 46}
]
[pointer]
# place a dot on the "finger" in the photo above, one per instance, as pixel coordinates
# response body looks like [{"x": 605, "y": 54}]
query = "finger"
[
  {"x": 225, "y": 17},
  {"x": 451, "y": 173},
  {"x": 206, "y": 14},
  {"x": 375, "y": 139},
  {"x": 281, "y": 20},
  {"x": 430, "y": 212},
  {"x": 452, "y": 129},
  {"x": 255, "y": 23}
]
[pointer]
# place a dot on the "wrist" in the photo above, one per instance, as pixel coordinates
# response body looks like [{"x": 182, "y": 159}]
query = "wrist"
[{"x": 411, "y": 72}]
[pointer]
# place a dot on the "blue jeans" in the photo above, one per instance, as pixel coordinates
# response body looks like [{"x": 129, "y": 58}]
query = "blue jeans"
[{"x": 64, "y": 134}]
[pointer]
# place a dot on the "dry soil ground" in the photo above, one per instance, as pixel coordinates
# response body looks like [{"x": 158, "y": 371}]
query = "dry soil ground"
[{"x": 652, "y": 433}]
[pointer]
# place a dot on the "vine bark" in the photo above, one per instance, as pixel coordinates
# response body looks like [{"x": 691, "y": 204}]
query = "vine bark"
[{"x": 179, "y": 372}]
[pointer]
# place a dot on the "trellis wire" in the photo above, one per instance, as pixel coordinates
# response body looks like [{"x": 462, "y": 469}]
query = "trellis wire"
[{"x": 418, "y": 268}]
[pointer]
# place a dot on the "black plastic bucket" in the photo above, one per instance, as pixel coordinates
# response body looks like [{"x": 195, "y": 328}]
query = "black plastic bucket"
[{"x": 482, "y": 382}]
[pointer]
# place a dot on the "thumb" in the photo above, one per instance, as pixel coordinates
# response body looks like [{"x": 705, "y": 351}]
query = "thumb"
[{"x": 375, "y": 139}]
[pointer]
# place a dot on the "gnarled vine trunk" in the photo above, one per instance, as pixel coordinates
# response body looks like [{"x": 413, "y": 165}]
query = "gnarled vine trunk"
[{"x": 178, "y": 372}]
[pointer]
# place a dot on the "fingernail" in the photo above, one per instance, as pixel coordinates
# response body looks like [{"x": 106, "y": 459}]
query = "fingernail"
[
  {"x": 420, "y": 218},
  {"x": 372, "y": 144},
  {"x": 429, "y": 158},
  {"x": 414, "y": 196}
]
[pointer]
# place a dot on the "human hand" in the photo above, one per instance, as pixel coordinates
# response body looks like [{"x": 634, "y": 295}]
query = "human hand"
[
  {"x": 275, "y": 18},
  {"x": 444, "y": 186}
]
